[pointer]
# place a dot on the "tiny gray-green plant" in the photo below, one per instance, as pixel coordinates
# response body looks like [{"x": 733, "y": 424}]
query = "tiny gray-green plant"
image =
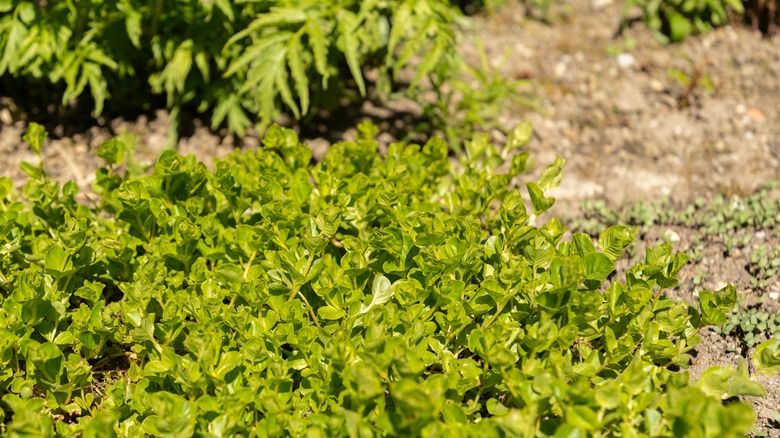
[
  {"x": 764, "y": 264},
  {"x": 750, "y": 326}
]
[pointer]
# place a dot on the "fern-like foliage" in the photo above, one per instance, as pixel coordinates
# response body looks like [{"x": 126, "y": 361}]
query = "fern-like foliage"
[{"x": 242, "y": 61}]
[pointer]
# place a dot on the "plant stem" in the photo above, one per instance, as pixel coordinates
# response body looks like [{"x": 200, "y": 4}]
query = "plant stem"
[
  {"x": 158, "y": 6},
  {"x": 311, "y": 310}
]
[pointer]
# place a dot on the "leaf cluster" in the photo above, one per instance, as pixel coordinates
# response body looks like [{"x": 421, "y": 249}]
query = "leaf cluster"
[
  {"x": 673, "y": 20},
  {"x": 764, "y": 264},
  {"x": 243, "y": 62},
  {"x": 363, "y": 295},
  {"x": 751, "y": 326}
]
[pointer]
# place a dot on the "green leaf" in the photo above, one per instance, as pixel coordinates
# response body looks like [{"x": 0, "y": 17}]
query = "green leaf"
[
  {"x": 608, "y": 395},
  {"x": 112, "y": 151},
  {"x": 725, "y": 383},
  {"x": 57, "y": 260},
  {"x": 570, "y": 431},
  {"x": 351, "y": 47},
  {"x": 737, "y": 6},
  {"x": 680, "y": 76},
  {"x": 539, "y": 202},
  {"x": 552, "y": 175},
  {"x": 6, "y": 187},
  {"x": 31, "y": 171},
  {"x": 494, "y": 407},
  {"x": 519, "y": 136},
  {"x": 767, "y": 357},
  {"x": 431, "y": 59},
  {"x": 227, "y": 363},
  {"x": 35, "y": 136},
  {"x": 582, "y": 417},
  {"x": 583, "y": 244},
  {"x": 381, "y": 292},
  {"x": 319, "y": 47},
  {"x": 27, "y": 420},
  {"x": 298, "y": 72},
  {"x": 230, "y": 108},
  {"x": 230, "y": 273},
  {"x": 133, "y": 27},
  {"x": 679, "y": 26},
  {"x": 48, "y": 360},
  {"x": 330, "y": 313},
  {"x": 715, "y": 306},
  {"x": 596, "y": 267},
  {"x": 614, "y": 240}
]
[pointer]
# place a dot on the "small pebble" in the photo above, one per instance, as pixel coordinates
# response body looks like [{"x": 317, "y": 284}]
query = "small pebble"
[
  {"x": 626, "y": 60},
  {"x": 756, "y": 114},
  {"x": 5, "y": 117}
]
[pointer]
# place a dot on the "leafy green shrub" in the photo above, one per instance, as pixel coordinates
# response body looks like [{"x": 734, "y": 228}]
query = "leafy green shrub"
[
  {"x": 239, "y": 60},
  {"x": 364, "y": 295},
  {"x": 676, "y": 19}
]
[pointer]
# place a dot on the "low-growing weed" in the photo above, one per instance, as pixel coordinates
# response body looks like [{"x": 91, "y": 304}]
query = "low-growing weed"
[
  {"x": 750, "y": 326},
  {"x": 627, "y": 45},
  {"x": 692, "y": 79},
  {"x": 735, "y": 221},
  {"x": 764, "y": 263}
]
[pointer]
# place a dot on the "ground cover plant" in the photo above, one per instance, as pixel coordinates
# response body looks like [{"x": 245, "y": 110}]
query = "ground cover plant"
[
  {"x": 240, "y": 63},
  {"x": 722, "y": 235},
  {"x": 362, "y": 295},
  {"x": 732, "y": 219}
]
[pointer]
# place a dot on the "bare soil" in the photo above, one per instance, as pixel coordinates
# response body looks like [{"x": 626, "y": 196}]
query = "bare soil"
[{"x": 607, "y": 103}]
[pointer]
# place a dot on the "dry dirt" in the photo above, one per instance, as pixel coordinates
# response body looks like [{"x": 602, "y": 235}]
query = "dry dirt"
[{"x": 607, "y": 104}]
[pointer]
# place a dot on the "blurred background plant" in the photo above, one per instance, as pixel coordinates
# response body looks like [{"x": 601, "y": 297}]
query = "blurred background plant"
[
  {"x": 470, "y": 101},
  {"x": 673, "y": 20},
  {"x": 241, "y": 64},
  {"x": 693, "y": 79}
]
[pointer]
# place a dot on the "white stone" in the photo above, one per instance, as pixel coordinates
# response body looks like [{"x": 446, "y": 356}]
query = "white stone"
[
  {"x": 5, "y": 117},
  {"x": 671, "y": 236},
  {"x": 560, "y": 69},
  {"x": 625, "y": 60}
]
